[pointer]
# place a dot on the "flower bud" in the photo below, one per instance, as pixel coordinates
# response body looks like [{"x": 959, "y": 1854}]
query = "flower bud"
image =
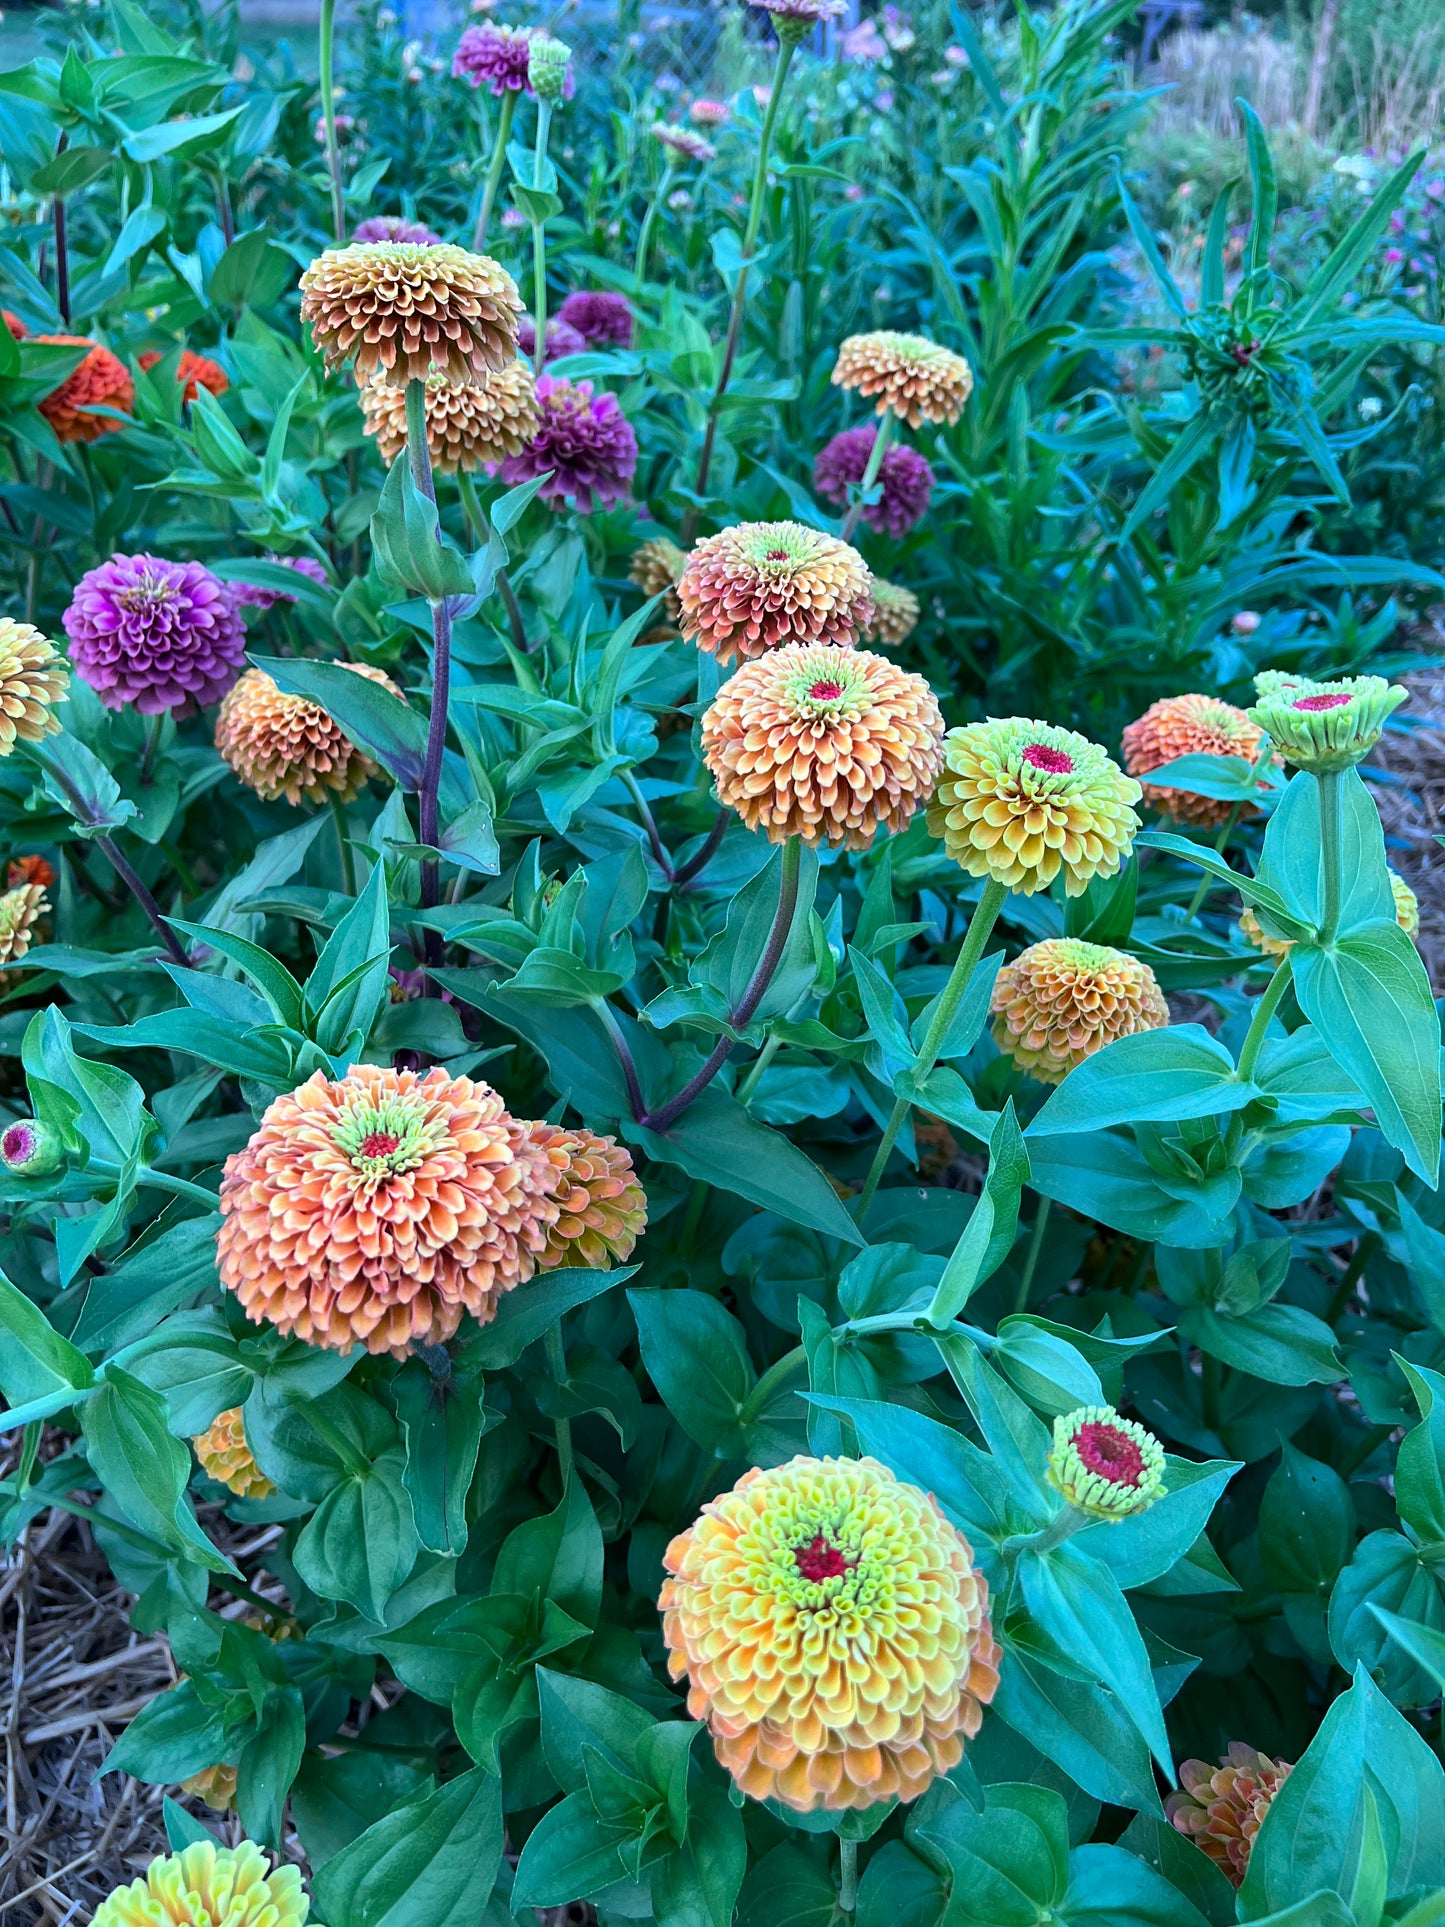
[
  {"x": 548, "y": 60},
  {"x": 1105, "y": 1465},
  {"x": 1324, "y": 726},
  {"x": 30, "y": 1149}
]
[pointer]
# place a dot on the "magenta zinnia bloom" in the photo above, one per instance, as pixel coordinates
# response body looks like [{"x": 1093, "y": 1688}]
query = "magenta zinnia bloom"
[
  {"x": 586, "y": 441},
  {"x": 495, "y": 56},
  {"x": 395, "y": 227},
  {"x": 904, "y": 477},
  {"x": 603, "y": 320},
  {"x": 250, "y": 596},
  {"x": 562, "y": 339},
  {"x": 159, "y": 634}
]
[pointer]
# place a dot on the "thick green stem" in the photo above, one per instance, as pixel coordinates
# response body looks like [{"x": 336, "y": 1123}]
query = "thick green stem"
[
  {"x": 557, "y": 1366},
  {"x": 327, "y": 52},
  {"x": 494, "y": 170},
  {"x": 755, "y": 1070},
  {"x": 343, "y": 844},
  {"x": 1264, "y": 1009},
  {"x": 1031, "y": 1262},
  {"x": 847, "y": 1876},
  {"x": 1332, "y": 817},
  {"x": 644, "y": 235},
  {"x": 182, "y": 1187},
  {"x": 1344, "y": 1291},
  {"x": 870, "y": 473},
  {"x": 970, "y": 950},
  {"x": 539, "y": 238},
  {"x": 1065, "y": 1523}
]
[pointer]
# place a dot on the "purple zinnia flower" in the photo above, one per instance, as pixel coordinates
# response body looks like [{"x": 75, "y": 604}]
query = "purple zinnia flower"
[
  {"x": 585, "y": 440},
  {"x": 159, "y": 634},
  {"x": 395, "y": 227},
  {"x": 253, "y": 597},
  {"x": 904, "y": 477},
  {"x": 603, "y": 320},
  {"x": 495, "y": 55},
  {"x": 562, "y": 339}
]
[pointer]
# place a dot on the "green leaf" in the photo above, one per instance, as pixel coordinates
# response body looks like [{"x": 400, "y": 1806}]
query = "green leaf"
[
  {"x": 430, "y": 1863},
  {"x": 1011, "y": 1860},
  {"x": 1281, "y": 1343},
  {"x": 176, "y": 1735},
  {"x": 407, "y": 545},
  {"x": 1306, "y": 1525},
  {"x": 361, "y": 1541},
  {"x": 81, "y": 784},
  {"x": 571, "y": 1854},
  {"x": 557, "y": 1555},
  {"x": 525, "y": 1316},
  {"x": 394, "y": 733},
  {"x": 1162, "y": 1075},
  {"x": 349, "y": 984},
  {"x": 696, "y": 1355},
  {"x": 337, "y": 1797},
  {"x": 35, "y": 1360},
  {"x": 1386, "y": 1572},
  {"x": 268, "y": 1765},
  {"x": 143, "y": 1468},
  {"x": 1110, "y": 1887},
  {"x": 442, "y": 1423},
  {"x": 992, "y": 1226}
]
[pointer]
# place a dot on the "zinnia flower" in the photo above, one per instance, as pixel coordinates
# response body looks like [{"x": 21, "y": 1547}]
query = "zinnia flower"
[
  {"x": 29, "y": 869},
  {"x": 895, "y": 614},
  {"x": 762, "y": 584},
  {"x": 710, "y": 113},
  {"x": 833, "y": 1632},
  {"x": 1324, "y": 726},
  {"x": 824, "y": 743},
  {"x": 407, "y": 309},
  {"x": 1188, "y": 726},
  {"x": 794, "y": 20},
  {"x": 285, "y": 745},
  {"x": 213, "y": 1786},
  {"x": 1407, "y": 915},
  {"x": 1222, "y": 1808},
  {"x": 602, "y": 1209},
  {"x": 682, "y": 142},
  {"x": 158, "y": 634},
  {"x": 20, "y": 910},
  {"x": 1105, "y": 1465},
  {"x": 33, "y": 678},
  {"x": 376, "y": 1210},
  {"x": 911, "y": 375},
  {"x": 1063, "y": 999},
  {"x": 208, "y": 1886},
  {"x": 469, "y": 425},
  {"x": 549, "y": 67},
  {"x": 904, "y": 477},
  {"x": 251, "y": 596},
  {"x": 494, "y": 56},
  {"x": 603, "y": 319},
  {"x": 1019, "y": 801},
  {"x": 100, "y": 381},
  {"x": 562, "y": 339},
  {"x": 195, "y": 371},
  {"x": 30, "y": 1149},
  {"x": 225, "y": 1456},
  {"x": 396, "y": 227},
  {"x": 656, "y": 567},
  {"x": 585, "y": 440}
]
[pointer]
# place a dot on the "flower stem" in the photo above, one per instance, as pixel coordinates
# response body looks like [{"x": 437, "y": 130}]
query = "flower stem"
[
  {"x": 1036, "y": 1245},
  {"x": 182, "y": 1187},
  {"x": 539, "y": 238},
  {"x": 649, "y": 822},
  {"x": 1065, "y": 1523},
  {"x": 343, "y": 844},
  {"x": 1332, "y": 817},
  {"x": 1344, "y": 1291},
  {"x": 755, "y": 1070},
  {"x": 699, "y": 860},
  {"x": 557, "y": 1367},
  {"x": 847, "y": 1875},
  {"x": 494, "y": 170},
  {"x": 419, "y": 455},
  {"x": 1205, "y": 878},
  {"x": 644, "y": 233},
  {"x": 970, "y": 950},
  {"x": 870, "y": 473},
  {"x": 742, "y": 1011},
  {"x": 1264, "y": 1009},
  {"x": 146, "y": 901},
  {"x": 327, "y": 52}
]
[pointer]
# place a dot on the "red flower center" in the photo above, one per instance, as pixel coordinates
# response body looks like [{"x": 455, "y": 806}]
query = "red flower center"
[
  {"x": 1040, "y": 756},
  {"x": 17, "y": 1143},
  {"x": 1323, "y": 702},
  {"x": 826, "y": 692},
  {"x": 379, "y": 1144},
  {"x": 778, "y": 555},
  {"x": 820, "y": 1560},
  {"x": 1109, "y": 1453}
]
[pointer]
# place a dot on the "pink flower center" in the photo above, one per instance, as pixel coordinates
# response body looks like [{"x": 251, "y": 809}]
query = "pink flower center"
[
  {"x": 826, "y": 692},
  {"x": 1040, "y": 756},
  {"x": 1109, "y": 1453},
  {"x": 778, "y": 555},
  {"x": 378, "y": 1144},
  {"x": 17, "y": 1144},
  {"x": 1323, "y": 702},
  {"x": 820, "y": 1560}
]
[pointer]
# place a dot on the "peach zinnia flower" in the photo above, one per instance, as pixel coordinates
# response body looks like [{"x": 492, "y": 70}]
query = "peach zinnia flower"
[
  {"x": 224, "y": 1454},
  {"x": 762, "y": 584},
  {"x": 214, "y": 1786},
  {"x": 195, "y": 371},
  {"x": 33, "y": 678},
  {"x": 1061, "y": 1000},
  {"x": 285, "y": 745},
  {"x": 1407, "y": 915},
  {"x": 407, "y": 309},
  {"x": 20, "y": 910},
  {"x": 469, "y": 424},
  {"x": 822, "y": 743},
  {"x": 833, "y": 1632},
  {"x": 910, "y": 374},
  {"x": 656, "y": 567},
  {"x": 602, "y": 1209},
  {"x": 1222, "y": 1808},
  {"x": 378, "y": 1209},
  {"x": 206, "y": 1885},
  {"x": 895, "y": 614},
  {"x": 101, "y": 381},
  {"x": 1189, "y": 726}
]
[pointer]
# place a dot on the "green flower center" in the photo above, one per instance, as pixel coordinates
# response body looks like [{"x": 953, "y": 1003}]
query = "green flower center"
[{"x": 380, "y": 1139}]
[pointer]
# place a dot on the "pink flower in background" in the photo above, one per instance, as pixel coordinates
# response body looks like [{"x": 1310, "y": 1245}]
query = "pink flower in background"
[
  {"x": 494, "y": 56},
  {"x": 252, "y": 597},
  {"x": 904, "y": 477},
  {"x": 585, "y": 440},
  {"x": 395, "y": 227},
  {"x": 864, "y": 42},
  {"x": 603, "y": 319},
  {"x": 562, "y": 339},
  {"x": 710, "y": 113},
  {"x": 159, "y": 634}
]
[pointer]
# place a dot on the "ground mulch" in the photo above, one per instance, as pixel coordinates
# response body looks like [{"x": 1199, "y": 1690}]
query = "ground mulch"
[{"x": 1411, "y": 760}]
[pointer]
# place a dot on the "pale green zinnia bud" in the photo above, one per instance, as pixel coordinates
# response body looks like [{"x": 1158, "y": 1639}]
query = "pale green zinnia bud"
[
  {"x": 1323, "y": 726},
  {"x": 548, "y": 64},
  {"x": 1105, "y": 1465}
]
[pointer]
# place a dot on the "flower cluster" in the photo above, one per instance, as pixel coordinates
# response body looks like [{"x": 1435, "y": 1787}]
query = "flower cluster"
[
  {"x": 912, "y": 376},
  {"x": 159, "y": 634},
  {"x": 493, "y": 56},
  {"x": 469, "y": 424},
  {"x": 1106, "y": 1466},
  {"x": 1188, "y": 726},
  {"x": 224, "y": 1454},
  {"x": 406, "y": 308},
  {"x": 585, "y": 441},
  {"x": 1061, "y": 1000},
  {"x": 285, "y": 745},
  {"x": 33, "y": 679},
  {"x": 761, "y": 585},
  {"x": 905, "y": 479},
  {"x": 833, "y": 1632},
  {"x": 100, "y": 381},
  {"x": 1222, "y": 1808},
  {"x": 205, "y": 1885}
]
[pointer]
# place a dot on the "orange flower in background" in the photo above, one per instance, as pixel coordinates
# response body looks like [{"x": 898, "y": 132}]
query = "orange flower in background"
[
  {"x": 1222, "y": 1808},
  {"x": 29, "y": 869},
  {"x": 601, "y": 1207},
  {"x": 13, "y": 322},
  {"x": 656, "y": 567},
  {"x": 376, "y": 1210},
  {"x": 1189, "y": 726},
  {"x": 100, "y": 381},
  {"x": 224, "y": 1454},
  {"x": 761, "y": 585},
  {"x": 196, "y": 371},
  {"x": 833, "y": 1632},
  {"x": 285, "y": 745},
  {"x": 1061, "y": 1000},
  {"x": 910, "y": 374}
]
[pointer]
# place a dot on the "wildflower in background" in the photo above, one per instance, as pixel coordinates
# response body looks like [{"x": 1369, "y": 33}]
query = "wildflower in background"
[
  {"x": 18, "y": 329},
  {"x": 195, "y": 371},
  {"x": 224, "y": 1455},
  {"x": 585, "y": 440},
  {"x": 30, "y": 1149},
  {"x": 898, "y": 30},
  {"x": 895, "y": 614},
  {"x": 759, "y": 585},
  {"x": 377, "y": 1209},
  {"x": 549, "y": 67},
  {"x": 213, "y": 1786},
  {"x": 395, "y": 227},
  {"x": 1105, "y": 1465},
  {"x": 1019, "y": 801},
  {"x": 903, "y": 475},
  {"x": 513, "y": 217},
  {"x": 1063, "y": 999},
  {"x": 656, "y": 567},
  {"x": 205, "y": 1885},
  {"x": 494, "y": 56},
  {"x": 602, "y": 1209},
  {"x": 406, "y": 309},
  {"x": 33, "y": 679},
  {"x": 29, "y": 869},
  {"x": 252, "y": 596},
  {"x": 159, "y": 634},
  {"x": 285, "y": 745},
  {"x": 1407, "y": 915},
  {"x": 833, "y": 1632},
  {"x": 794, "y": 20},
  {"x": 912, "y": 376},
  {"x": 823, "y": 742},
  {"x": 864, "y": 42},
  {"x": 603, "y": 319},
  {"x": 1324, "y": 726},
  {"x": 710, "y": 113},
  {"x": 562, "y": 339},
  {"x": 100, "y": 381},
  {"x": 1189, "y": 726},
  {"x": 1222, "y": 1808},
  {"x": 1244, "y": 622},
  {"x": 681, "y": 143},
  {"x": 469, "y": 424}
]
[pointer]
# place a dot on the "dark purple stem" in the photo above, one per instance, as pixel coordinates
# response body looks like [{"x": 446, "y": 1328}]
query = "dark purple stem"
[
  {"x": 62, "y": 254},
  {"x": 146, "y": 901},
  {"x": 699, "y": 861}
]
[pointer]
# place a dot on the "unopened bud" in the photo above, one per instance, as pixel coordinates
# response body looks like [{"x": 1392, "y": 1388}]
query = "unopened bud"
[
  {"x": 1324, "y": 726},
  {"x": 548, "y": 66},
  {"x": 30, "y": 1149},
  {"x": 1105, "y": 1465}
]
